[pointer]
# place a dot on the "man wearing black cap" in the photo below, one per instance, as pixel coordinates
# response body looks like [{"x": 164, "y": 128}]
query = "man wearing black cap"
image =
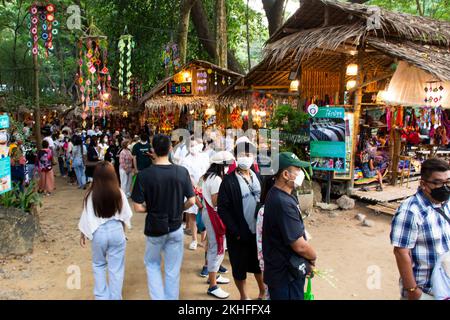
[{"x": 288, "y": 257}]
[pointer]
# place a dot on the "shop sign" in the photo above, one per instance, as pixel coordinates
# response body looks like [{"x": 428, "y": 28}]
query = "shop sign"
[
  {"x": 328, "y": 133},
  {"x": 5, "y": 162},
  {"x": 182, "y": 88}
]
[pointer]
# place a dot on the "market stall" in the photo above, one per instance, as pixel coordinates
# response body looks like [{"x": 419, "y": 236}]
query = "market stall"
[
  {"x": 189, "y": 95},
  {"x": 338, "y": 55}
]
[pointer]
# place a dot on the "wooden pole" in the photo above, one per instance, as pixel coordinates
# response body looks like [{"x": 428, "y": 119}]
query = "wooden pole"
[
  {"x": 342, "y": 78},
  {"x": 396, "y": 155},
  {"x": 357, "y": 114},
  {"x": 37, "y": 112}
]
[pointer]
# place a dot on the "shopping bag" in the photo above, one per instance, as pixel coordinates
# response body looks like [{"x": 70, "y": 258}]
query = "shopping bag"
[{"x": 308, "y": 293}]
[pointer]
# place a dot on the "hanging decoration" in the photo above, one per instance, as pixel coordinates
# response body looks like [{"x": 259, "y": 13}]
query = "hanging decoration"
[
  {"x": 171, "y": 57},
  {"x": 93, "y": 78},
  {"x": 215, "y": 78},
  {"x": 136, "y": 88},
  {"x": 42, "y": 25},
  {"x": 126, "y": 45},
  {"x": 202, "y": 81}
]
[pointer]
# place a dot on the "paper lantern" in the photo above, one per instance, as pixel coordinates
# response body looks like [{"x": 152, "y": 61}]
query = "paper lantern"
[
  {"x": 294, "y": 85},
  {"x": 351, "y": 84},
  {"x": 352, "y": 69}
]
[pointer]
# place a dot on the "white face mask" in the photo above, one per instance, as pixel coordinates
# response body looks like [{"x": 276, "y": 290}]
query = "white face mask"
[
  {"x": 299, "y": 179},
  {"x": 245, "y": 163}
]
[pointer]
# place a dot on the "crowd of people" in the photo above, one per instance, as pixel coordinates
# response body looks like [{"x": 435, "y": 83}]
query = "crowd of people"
[
  {"x": 217, "y": 196},
  {"x": 195, "y": 189}
]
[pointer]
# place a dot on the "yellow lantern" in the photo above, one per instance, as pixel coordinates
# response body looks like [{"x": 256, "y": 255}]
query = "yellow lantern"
[
  {"x": 351, "y": 84},
  {"x": 178, "y": 78},
  {"x": 294, "y": 85},
  {"x": 352, "y": 69}
]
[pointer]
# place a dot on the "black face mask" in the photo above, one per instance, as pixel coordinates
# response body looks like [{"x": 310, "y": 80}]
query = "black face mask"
[{"x": 440, "y": 194}]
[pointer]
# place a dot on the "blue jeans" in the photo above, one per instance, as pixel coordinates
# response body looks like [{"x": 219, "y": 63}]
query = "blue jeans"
[
  {"x": 294, "y": 290},
  {"x": 78, "y": 166},
  {"x": 172, "y": 246},
  {"x": 108, "y": 251}
]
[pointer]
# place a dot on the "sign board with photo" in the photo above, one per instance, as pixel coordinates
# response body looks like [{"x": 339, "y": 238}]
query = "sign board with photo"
[
  {"x": 328, "y": 139},
  {"x": 5, "y": 162},
  {"x": 345, "y": 175}
]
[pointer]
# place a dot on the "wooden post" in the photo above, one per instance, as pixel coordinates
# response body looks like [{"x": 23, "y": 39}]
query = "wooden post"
[
  {"x": 37, "y": 112},
  {"x": 396, "y": 155},
  {"x": 357, "y": 113},
  {"x": 342, "y": 83}
]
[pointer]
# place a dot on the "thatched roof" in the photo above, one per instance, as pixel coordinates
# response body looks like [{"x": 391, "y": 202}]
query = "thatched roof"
[
  {"x": 163, "y": 83},
  {"x": 324, "y": 25}
]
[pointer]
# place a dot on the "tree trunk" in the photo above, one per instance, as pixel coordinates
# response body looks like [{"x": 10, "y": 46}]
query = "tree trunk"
[
  {"x": 37, "y": 111},
  {"x": 200, "y": 20},
  {"x": 221, "y": 33},
  {"x": 183, "y": 28},
  {"x": 274, "y": 14}
]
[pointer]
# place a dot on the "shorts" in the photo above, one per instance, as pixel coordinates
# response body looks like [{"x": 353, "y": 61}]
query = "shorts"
[{"x": 243, "y": 257}]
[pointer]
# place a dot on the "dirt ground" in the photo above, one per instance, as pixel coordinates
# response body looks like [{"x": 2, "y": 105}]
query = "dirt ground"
[{"x": 358, "y": 260}]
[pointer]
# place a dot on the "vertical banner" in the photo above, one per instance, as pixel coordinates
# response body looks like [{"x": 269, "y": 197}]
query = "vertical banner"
[
  {"x": 5, "y": 162},
  {"x": 327, "y": 139}
]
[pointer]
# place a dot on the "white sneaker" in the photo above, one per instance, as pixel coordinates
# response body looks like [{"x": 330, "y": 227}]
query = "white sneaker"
[
  {"x": 218, "y": 293},
  {"x": 221, "y": 280},
  {"x": 193, "y": 245}
]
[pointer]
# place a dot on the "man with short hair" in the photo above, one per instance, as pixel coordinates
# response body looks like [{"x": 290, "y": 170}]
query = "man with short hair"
[
  {"x": 284, "y": 236},
  {"x": 420, "y": 230},
  {"x": 142, "y": 153},
  {"x": 160, "y": 191}
]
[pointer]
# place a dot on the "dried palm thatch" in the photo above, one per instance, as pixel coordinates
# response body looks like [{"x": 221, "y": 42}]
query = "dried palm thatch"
[
  {"x": 320, "y": 26},
  {"x": 180, "y": 101},
  {"x": 199, "y": 63}
]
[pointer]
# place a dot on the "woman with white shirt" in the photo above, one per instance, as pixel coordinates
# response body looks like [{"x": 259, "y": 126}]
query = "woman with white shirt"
[
  {"x": 215, "y": 228},
  {"x": 106, "y": 211}
]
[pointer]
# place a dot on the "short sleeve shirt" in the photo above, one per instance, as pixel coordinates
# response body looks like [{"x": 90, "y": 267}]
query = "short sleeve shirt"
[
  {"x": 163, "y": 189},
  {"x": 418, "y": 226},
  {"x": 140, "y": 150},
  {"x": 282, "y": 225}
]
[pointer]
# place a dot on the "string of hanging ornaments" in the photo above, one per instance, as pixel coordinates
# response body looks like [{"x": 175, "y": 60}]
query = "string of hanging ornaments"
[
  {"x": 93, "y": 78},
  {"x": 42, "y": 25},
  {"x": 126, "y": 45}
]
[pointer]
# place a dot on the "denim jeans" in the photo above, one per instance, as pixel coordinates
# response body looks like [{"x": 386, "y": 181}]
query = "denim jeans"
[
  {"x": 78, "y": 166},
  {"x": 294, "y": 290},
  {"x": 172, "y": 246},
  {"x": 125, "y": 181},
  {"x": 108, "y": 252}
]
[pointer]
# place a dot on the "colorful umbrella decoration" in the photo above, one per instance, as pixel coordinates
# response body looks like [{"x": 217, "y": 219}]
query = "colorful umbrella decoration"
[
  {"x": 126, "y": 45},
  {"x": 43, "y": 25},
  {"x": 93, "y": 78}
]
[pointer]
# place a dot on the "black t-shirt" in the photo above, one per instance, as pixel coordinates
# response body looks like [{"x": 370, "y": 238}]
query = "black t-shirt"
[
  {"x": 163, "y": 189},
  {"x": 282, "y": 225},
  {"x": 140, "y": 150}
]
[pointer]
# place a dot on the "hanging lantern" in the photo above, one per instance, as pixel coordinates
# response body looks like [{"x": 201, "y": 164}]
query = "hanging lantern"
[
  {"x": 352, "y": 69},
  {"x": 294, "y": 85},
  {"x": 351, "y": 84}
]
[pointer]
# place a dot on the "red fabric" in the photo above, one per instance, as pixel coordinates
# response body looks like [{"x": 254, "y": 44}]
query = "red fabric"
[{"x": 218, "y": 226}]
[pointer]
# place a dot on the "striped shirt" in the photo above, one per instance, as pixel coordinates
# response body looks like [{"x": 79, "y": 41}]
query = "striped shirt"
[{"x": 418, "y": 226}]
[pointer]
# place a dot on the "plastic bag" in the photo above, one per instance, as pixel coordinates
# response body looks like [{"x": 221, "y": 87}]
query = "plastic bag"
[{"x": 308, "y": 293}]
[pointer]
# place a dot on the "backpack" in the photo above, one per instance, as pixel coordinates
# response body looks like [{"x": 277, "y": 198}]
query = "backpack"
[{"x": 45, "y": 162}]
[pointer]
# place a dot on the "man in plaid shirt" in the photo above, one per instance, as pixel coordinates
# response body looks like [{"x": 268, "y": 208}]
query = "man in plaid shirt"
[{"x": 421, "y": 230}]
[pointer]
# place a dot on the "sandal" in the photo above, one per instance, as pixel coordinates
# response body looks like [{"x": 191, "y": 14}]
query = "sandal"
[{"x": 366, "y": 189}]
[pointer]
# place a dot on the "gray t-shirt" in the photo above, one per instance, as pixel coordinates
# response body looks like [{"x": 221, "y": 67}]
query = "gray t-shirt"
[{"x": 250, "y": 199}]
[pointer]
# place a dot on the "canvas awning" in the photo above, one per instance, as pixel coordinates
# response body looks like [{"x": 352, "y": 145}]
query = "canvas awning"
[{"x": 408, "y": 84}]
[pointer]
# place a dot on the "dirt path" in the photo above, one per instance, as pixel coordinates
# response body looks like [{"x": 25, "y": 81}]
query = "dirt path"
[{"x": 350, "y": 252}]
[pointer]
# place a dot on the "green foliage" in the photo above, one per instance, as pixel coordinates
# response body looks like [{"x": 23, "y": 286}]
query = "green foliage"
[
  {"x": 288, "y": 119},
  {"x": 24, "y": 199},
  {"x": 436, "y": 9}
]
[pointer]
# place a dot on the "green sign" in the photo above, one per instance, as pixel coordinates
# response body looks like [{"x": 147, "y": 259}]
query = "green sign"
[
  {"x": 5, "y": 162},
  {"x": 327, "y": 140}
]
